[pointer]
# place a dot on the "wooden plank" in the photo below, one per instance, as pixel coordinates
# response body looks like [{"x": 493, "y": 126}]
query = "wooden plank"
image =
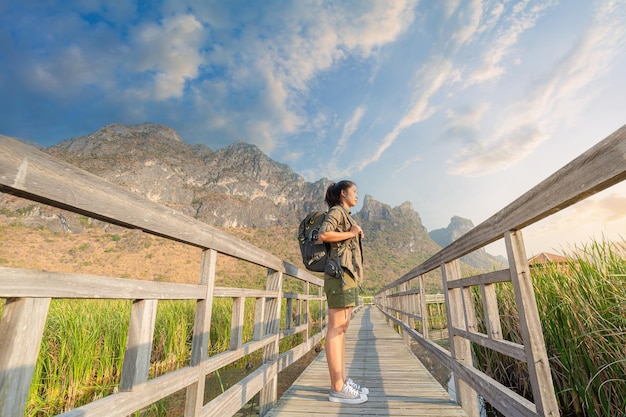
[
  {"x": 225, "y": 292},
  {"x": 530, "y": 327},
  {"x": 293, "y": 330},
  {"x": 423, "y": 306},
  {"x": 287, "y": 358},
  {"x": 505, "y": 347},
  {"x": 194, "y": 400},
  {"x": 502, "y": 398},
  {"x": 139, "y": 344},
  {"x": 302, "y": 274},
  {"x": 460, "y": 348},
  {"x": 123, "y": 403},
  {"x": 376, "y": 356},
  {"x": 480, "y": 279},
  {"x": 231, "y": 401},
  {"x": 259, "y": 316},
  {"x": 269, "y": 392},
  {"x": 17, "y": 282},
  {"x": 21, "y": 327},
  {"x": 491, "y": 311},
  {"x": 236, "y": 323}
]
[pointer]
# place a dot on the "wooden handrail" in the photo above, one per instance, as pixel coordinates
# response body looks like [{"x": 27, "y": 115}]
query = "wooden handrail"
[
  {"x": 28, "y": 173},
  {"x": 600, "y": 167},
  {"x": 597, "y": 169}
]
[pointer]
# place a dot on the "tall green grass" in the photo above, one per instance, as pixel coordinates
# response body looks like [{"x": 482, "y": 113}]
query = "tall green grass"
[
  {"x": 582, "y": 307},
  {"x": 82, "y": 350}
]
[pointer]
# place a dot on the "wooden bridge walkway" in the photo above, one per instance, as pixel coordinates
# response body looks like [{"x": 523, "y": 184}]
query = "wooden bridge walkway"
[
  {"x": 377, "y": 356},
  {"x": 399, "y": 383}
]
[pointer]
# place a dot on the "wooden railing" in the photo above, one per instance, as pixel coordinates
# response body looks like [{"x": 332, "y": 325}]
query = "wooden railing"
[
  {"x": 28, "y": 173},
  {"x": 404, "y": 301}
]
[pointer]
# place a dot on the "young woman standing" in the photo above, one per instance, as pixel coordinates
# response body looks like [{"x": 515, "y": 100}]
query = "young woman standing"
[{"x": 342, "y": 289}]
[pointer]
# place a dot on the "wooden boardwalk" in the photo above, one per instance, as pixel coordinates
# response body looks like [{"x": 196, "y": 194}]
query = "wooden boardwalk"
[{"x": 377, "y": 357}]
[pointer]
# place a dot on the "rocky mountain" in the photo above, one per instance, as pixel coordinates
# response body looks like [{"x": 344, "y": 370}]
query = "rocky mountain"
[
  {"x": 240, "y": 188},
  {"x": 237, "y": 186},
  {"x": 479, "y": 259}
]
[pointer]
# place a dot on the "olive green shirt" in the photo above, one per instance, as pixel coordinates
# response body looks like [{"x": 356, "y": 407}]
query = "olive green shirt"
[{"x": 349, "y": 250}]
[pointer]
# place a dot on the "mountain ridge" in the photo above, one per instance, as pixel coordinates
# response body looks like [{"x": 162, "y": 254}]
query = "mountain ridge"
[{"x": 234, "y": 187}]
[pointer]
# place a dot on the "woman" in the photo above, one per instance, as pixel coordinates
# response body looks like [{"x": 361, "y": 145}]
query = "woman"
[{"x": 342, "y": 289}]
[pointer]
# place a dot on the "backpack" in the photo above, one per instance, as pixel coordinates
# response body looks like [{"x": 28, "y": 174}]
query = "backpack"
[{"x": 314, "y": 255}]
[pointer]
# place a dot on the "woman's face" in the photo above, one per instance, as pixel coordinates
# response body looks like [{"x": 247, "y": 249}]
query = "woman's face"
[{"x": 350, "y": 196}]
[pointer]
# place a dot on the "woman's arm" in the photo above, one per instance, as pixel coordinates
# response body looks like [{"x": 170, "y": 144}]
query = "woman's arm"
[{"x": 339, "y": 236}]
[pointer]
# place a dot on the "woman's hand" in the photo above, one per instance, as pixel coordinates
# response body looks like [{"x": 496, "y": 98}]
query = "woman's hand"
[{"x": 356, "y": 230}]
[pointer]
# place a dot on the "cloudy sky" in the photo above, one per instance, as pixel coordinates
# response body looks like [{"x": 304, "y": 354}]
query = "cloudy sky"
[{"x": 459, "y": 106}]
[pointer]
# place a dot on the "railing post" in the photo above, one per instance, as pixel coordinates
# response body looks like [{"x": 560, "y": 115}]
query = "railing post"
[
  {"x": 322, "y": 307},
  {"x": 404, "y": 306},
  {"x": 139, "y": 344},
  {"x": 236, "y": 323},
  {"x": 289, "y": 314},
  {"x": 305, "y": 314},
  {"x": 460, "y": 348},
  {"x": 530, "y": 326},
  {"x": 269, "y": 392},
  {"x": 490, "y": 310},
  {"x": 423, "y": 306},
  {"x": 201, "y": 333},
  {"x": 21, "y": 327},
  {"x": 259, "y": 317}
]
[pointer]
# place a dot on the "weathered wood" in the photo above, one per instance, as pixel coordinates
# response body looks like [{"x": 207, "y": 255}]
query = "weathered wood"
[
  {"x": 18, "y": 282},
  {"x": 139, "y": 344},
  {"x": 21, "y": 329},
  {"x": 287, "y": 358},
  {"x": 28, "y": 173},
  {"x": 505, "y": 347},
  {"x": 423, "y": 307},
  {"x": 123, "y": 403},
  {"x": 376, "y": 356},
  {"x": 304, "y": 314},
  {"x": 289, "y": 313},
  {"x": 236, "y": 323},
  {"x": 269, "y": 393},
  {"x": 530, "y": 327},
  {"x": 293, "y": 330},
  {"x": 231, "y": 401},
  {"x": 480, "y": 279},
  {"x": 491, "y": 312},
  {"x": 259, "y": 315},
  {"x": 204, "y": 308},
  {"x": 223, "y": 292},
  {"x": 502, "y": 398},
  {"x": 460, "y": 348}
]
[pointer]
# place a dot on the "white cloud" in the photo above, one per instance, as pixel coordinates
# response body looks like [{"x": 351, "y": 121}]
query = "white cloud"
[
  {"x": 470, "y": 22},
  {"x": 431, "y": 78},
  {"x": 170, "y": 50},
  {"x": 526, "y": 124},
  {"x": 523, "y": 17},
  {"x": 349, "y": 128},
  {"x": 279, "y": 51}
]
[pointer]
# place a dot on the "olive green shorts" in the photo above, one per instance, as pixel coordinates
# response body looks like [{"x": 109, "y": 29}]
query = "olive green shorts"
[{"x": 339, "y": 296}]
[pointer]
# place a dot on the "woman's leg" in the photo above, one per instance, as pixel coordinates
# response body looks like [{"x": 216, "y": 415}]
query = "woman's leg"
[
  {"x": 344, "y": 376},
  {"x": 338, "y": 320}
]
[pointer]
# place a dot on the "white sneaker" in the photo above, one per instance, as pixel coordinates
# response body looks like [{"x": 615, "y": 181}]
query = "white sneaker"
[
  {"x": 356, "y": 386},
  {"x": 347, "y": 395}
]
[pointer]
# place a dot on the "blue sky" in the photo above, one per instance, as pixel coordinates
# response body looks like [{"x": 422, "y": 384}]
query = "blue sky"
[{"x": 457, "y": 106}]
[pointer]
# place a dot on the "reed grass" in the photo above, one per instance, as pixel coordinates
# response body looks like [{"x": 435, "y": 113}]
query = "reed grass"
[
  {"x": 82, "y": 349},
  {"x": 582, "y": 307}
]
